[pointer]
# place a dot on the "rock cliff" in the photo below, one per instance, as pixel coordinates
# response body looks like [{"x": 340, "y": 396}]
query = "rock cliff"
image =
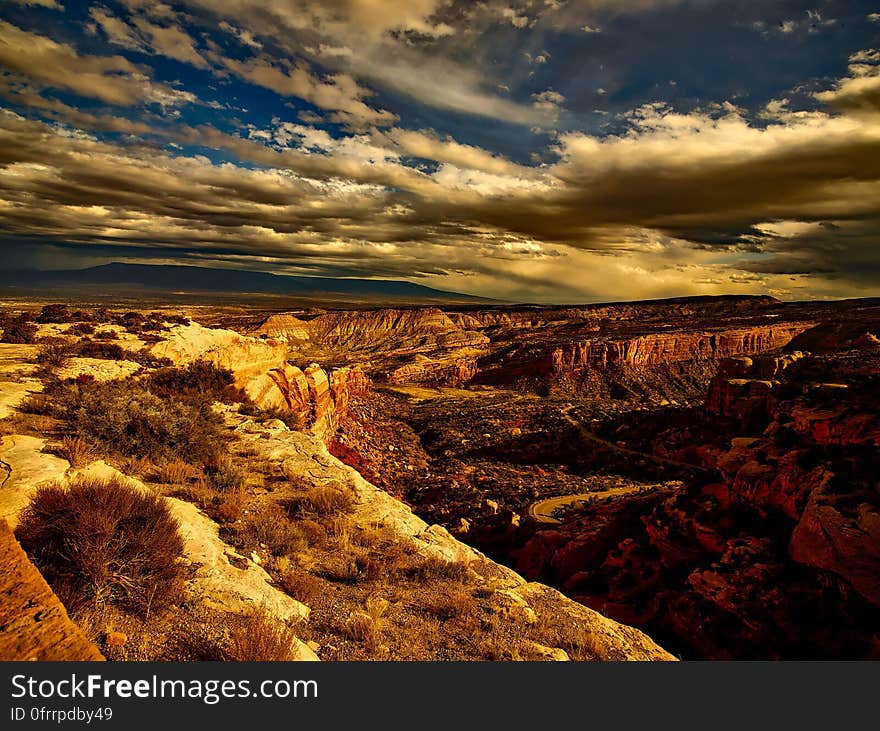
[
  {"x": 33, "y": 623},
  {"x": 260, "y": 368}
]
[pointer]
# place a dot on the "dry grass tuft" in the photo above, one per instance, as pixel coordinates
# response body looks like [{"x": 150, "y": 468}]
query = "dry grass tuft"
[
  {"x": 75, "y": 450},
  {"x": 258, "y": 637},
  {"x": 435, "y": 568},
  {"x": 176, "y": 472}
]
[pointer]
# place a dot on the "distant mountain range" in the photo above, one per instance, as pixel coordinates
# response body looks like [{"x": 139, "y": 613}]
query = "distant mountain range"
[{"x": 181, "y": 280}]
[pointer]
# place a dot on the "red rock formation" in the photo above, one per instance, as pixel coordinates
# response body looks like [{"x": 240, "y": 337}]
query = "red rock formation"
[
  {"x": 846, "y": 544},
  {"x": 260, "y": 367},
  {"x": 657, "y": 349},
  {"x": 33, "y": 623},
  {"x": 453, "y": 371}
]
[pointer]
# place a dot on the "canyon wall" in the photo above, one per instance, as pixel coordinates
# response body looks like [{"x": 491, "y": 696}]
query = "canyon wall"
[
  {"x": 261, "y": 369},
  {"x": 656, "y": 349}
]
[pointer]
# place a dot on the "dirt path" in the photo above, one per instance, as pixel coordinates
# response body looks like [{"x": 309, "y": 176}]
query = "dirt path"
[{"x": 543, "y": 510}]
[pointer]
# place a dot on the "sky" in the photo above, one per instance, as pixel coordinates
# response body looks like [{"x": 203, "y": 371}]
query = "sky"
[{"x": 529, "y": 150}]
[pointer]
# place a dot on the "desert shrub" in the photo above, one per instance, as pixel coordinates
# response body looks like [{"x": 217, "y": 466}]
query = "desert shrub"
[
  {"x": 365, "y": 625},
  {"x": 230, "y": 506},
  {"x": 274, "y": 530},
  {"x": 57, "y": 313},
  {"x": 175, "y": 472},
  {"x": 104, "y": 542},
  {"x": 199, "y": 379},
  {"x": 147, "y": 359},
  {"x": 81, "y": 328},
  {"x": 435, "y": 568},
  {"x": 107, "y": 335},
  {"x": 323, "y": 502},
  {"x": 454, "y": 604},
  {"x": 301, "y": 585},
  {"x": 54, "y": 353},
  {"x": 19, "y": 331},
  {"x": 101, "y": 349},
  {"x": 314, "y": 532},
  {"x": 354, "y": 566},
  {"x": 258, "y": 637},
  {"x": 226, "y": 476},
  {"x": 75, "y": 450},
  {"x": 120, "y": 418}
]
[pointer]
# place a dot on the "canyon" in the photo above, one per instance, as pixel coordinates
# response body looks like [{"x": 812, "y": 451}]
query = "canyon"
[{"x": 694, "y": 474}]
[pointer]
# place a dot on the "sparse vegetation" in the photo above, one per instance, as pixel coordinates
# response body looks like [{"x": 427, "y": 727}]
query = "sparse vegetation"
[
  {"x": 225, "y": 476},
  {"x": 104, "y": 542},
  {"x": 324, "y": 501},
  {"x": 176, "y": 472},
  {"x": 56, "y": 313},
  {"x": 20, "y": 331},
  {"x": 119, "y": 419},
  {"x": 270, "y": 528},
  {"x": 54, "y": 353},
  {"x": 258, "y": 637},
  {"x": 198, "y": 380},
  {"x": 300, "y": 584},
  {"x": 434, "y": 568}
]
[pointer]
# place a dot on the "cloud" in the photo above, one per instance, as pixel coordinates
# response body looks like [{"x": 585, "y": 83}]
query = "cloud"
[
  {"x": 52, "y": 4},
  {"x": 112, "y": 79},
  {"x": 171, "y": 41},
  {"x": 860, "y": 91},
  {"x": 412, "y": 48},
  {"x": 428, "y": 145},
  {"x": 339, "y": 93}
]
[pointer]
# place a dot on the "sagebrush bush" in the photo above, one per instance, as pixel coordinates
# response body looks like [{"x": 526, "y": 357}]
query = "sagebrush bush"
[
  {"x": 57, "y": 313},
  {"x": 199, "y": 379},
  {"x": 258, "y": 637},
  {"x": 101, "y": 349},
  {"x": 273, "y": 529},
  {"x": 81, "y": 328},
  {"x": 54, "y": 353},
  {"x": 120, "y": 418},
  {"x": 104, "y": 542},
  {"x": 322, "y": 502},
  {"x": 435, "y": 568},
  {"x": 226, "y": 476},
  {"x": 19, "y": 331},
  {"x": 300, "y": 584},
  {"x": 75, "y": 450},
  {"x": 176, "y": 472}
]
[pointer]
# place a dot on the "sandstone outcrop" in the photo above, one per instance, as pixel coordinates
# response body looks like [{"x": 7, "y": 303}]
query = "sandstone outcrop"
[
  {"x": 284, "y": 327},
  {"x": 392, "y": 331},
  {"x": 33, "y": 623},
  {"x": 451, "y": 371},
  {"x": 260, "y": 368},
  {"x": 845, "y": 542}
]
